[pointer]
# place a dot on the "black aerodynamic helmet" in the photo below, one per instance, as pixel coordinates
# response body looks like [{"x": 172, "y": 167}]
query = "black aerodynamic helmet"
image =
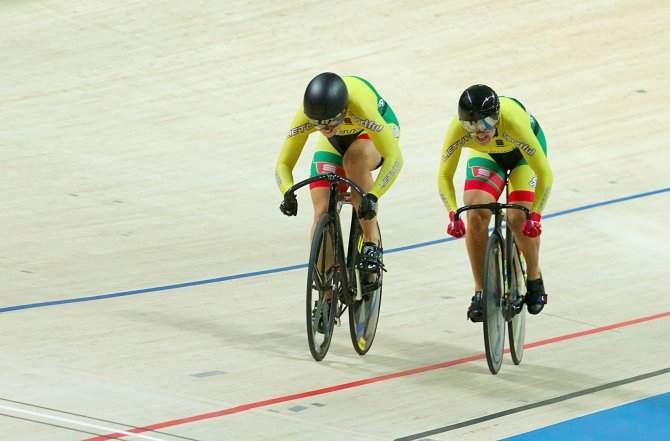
[
  {"x": 478, "y": 108},
  {"x": 326, "y": 99}
]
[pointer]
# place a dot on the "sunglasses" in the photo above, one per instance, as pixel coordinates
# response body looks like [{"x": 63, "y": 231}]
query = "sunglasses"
[
  {"x": 481, "y": 125},
  {"x": 327, "y": 124}
]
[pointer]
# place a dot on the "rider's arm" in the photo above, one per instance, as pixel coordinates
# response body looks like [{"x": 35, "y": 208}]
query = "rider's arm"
[
  {"x": 451, "y": 153},
  {"x": 531, "y": 149},
  {"x": 366, "y": 114},
  {"x": 393, "y": 162},
  {"x": 290, "y": 151}
]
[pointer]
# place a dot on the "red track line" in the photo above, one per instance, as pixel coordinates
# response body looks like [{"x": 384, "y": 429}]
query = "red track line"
[
  {"x": 326, "y": 390},
  {"x": 597, "y": 330}
]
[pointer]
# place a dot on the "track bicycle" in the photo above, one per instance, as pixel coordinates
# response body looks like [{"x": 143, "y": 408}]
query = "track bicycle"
[
  {"x": 504, "y": 289},
  {"x": 334, "y": 282}
]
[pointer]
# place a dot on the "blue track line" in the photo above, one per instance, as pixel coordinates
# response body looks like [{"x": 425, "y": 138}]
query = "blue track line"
[{"x": 295, "y": 267}]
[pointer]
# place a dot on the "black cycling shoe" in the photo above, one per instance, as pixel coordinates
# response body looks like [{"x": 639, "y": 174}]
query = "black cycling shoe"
[
  {"x": 476, "y": 311},
  {"x": 535, "y": 297},
  {"x": 371, "y": 258}
]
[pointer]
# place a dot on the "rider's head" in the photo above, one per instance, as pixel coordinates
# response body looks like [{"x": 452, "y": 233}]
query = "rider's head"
[
  {"x": 478, "y": 108},
  {"x": 326, "y": 99}
]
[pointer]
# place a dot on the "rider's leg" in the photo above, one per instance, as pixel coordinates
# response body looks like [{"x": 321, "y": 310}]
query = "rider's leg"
[
  {"x": 483, "y": 185},
  {"x": 477, "y": 232},
  {"x": 522, "y": 192},
  {"x": 529, "y": 246},
  {"x": 362, "y": 157},
  {"x": 325, "y": 160},
  {"x": 320, "y": 196}
]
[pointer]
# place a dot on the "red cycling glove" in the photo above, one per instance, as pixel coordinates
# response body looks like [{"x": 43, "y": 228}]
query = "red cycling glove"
[
  {"x": 455, "y": 229},
  {"x": 532, "y": 227}
]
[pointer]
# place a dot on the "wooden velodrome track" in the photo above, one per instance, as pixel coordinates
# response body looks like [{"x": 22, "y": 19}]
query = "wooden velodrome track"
[{"x": 151, "y": 289}]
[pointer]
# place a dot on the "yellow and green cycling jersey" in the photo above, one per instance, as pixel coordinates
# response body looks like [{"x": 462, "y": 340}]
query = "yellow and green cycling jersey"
[
  {"x": 366, "y": 112},
  {"x": 518, "y": 146}
]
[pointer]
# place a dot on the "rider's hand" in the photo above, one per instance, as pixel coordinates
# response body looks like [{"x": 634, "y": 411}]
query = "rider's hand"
[
  {"x": 455, "y": 229},
  {"x": 532, "y": 227},
  {"x": 289, "y": 205},
  {"x": 368, "y": 208}
]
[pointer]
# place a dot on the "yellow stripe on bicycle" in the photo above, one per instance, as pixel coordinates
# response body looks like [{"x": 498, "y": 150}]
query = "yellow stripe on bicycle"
[
  {"x": 361, "y": 343},
  {"x": 360, "y": 243}
]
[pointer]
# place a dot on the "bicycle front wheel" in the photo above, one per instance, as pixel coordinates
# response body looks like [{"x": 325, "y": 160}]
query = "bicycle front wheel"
[
  {"x": 364, "y": 313},
  {"x": 494, "y": 321},
  {"x": 322, "y": 281},
  {"x": 516, "y": 283}
]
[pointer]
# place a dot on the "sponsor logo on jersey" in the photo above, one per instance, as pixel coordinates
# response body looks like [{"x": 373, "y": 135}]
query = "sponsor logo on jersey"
[
  {"x": 488, "y": 175},
  {"x": 279, "y": 180},
  {"x": 324, "y": 168},
  {"x": 533, "y": 182},
  {"x": 380, "y": 104},
  {"x": 390, "y": 174},
  {"x": 481, "y": 172},
  {"x": 500, "y": 143},
  {"x": 525, "y": 147},
  {"x": 368, "y": 124},
  {"x": 396, "y": 130},
  {"x": 300, "y": 129},
  {"x": 454, "y": 146},
  {"x": 543, "y": 202},
  {"x": 348, "y": 132},
  {"x": 445, "y": 201}
]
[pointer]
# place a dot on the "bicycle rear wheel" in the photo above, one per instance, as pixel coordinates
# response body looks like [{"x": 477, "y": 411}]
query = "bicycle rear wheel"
[
  {"x": 364, "y": 313},
  {"x": 322, "y": 281},
  {"x": 494, "y": 321},
  {"x": 516, "y": 282}
]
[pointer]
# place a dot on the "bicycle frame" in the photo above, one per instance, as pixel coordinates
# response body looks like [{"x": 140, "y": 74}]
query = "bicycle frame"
[
  {"x": 497, "y": 209},
  {"x": 499, "y": 307},
  {"x": 335, "y": 199}
]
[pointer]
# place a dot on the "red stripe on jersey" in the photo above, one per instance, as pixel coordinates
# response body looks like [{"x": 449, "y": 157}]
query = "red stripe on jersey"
[
  {"x": 521, "y": 196},
  {"x": 487, "y": 186}
]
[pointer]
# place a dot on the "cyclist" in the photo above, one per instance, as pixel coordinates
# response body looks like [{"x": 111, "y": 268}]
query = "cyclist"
[
  {"x": 502, "y": 137},
  {"x": 359, "y": 133}
]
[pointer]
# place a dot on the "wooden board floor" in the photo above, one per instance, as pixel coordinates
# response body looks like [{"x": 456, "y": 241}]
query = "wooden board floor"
[{"x": 151, "y": 289}]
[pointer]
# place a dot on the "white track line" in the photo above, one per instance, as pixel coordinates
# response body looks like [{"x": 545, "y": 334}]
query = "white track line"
[{"x": 79, "y": 423}]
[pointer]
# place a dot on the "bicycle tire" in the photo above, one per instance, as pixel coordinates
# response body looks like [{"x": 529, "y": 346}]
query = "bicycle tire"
[
  {"x": 322, "y": 277},
  {"x": 364, "y": 313},
  {"x": 494, "y": 321},
  {"x": 516, "y": 283}
]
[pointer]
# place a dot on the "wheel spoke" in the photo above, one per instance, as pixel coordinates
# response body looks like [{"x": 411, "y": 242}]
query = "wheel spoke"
[
  {"x": 364, "y": 313},
  {"x": 494, "y": 322},
  {"x": 517, "y": 286},
  {"x": 320, "y": 280}
]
